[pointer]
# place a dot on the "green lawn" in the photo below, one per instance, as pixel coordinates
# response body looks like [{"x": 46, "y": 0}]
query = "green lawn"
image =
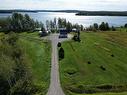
[
  {"x": 97, "y": 64},
  {"x": 39, "y": 52},
  {"x": 122, "y": 93},
  {"x": 1, "y": 35}
]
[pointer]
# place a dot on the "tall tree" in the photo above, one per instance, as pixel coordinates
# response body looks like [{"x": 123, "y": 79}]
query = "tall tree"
[{"x": 95, "y": 25}]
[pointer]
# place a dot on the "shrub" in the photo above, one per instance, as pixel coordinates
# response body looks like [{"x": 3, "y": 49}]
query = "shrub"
[
  {"x": 125, "y": 25},
  {"x": 59, "y": 44},
  {"x": 61, "y": 53},
  {"x": 89, "y": 62},
  {"x": 15, "y": 74},
  {"x": 113, "y": 28},
  {"x": 76, "y": 38},
  {"x": 112, "y": 55}
]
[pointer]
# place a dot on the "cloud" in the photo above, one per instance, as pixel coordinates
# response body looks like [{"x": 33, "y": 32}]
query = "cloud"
[{"x": 65, "y": 4}]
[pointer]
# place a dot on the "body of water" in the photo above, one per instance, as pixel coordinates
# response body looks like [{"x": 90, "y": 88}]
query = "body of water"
[{"x": 84, "y": 20}]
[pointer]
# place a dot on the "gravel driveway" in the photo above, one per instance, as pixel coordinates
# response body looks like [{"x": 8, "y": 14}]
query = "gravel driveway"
[{"x": 55, "y": 86}]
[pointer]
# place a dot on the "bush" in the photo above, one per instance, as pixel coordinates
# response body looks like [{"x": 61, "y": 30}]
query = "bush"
[
  {"x": 113, "y": 28},
  {"x": 21, "y": 88},
  {"x": 61, "y": 53},
  {"x": 15, "y": 74},
  {"x": 89, "y": 62},
  {"x": 59, "y": 44},
  {"x": 76, "y": 38},
  {"x": 125, "y": 25},
  {"x": 112, "y": 55}
]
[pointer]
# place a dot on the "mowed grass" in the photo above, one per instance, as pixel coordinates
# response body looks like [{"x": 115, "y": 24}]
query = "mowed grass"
[
  {"x": 1, "y": 35},
  {"x": 122, "y": 93},
  {"x": 97, "y": 64},
  {"x": 39, "y": 52}
]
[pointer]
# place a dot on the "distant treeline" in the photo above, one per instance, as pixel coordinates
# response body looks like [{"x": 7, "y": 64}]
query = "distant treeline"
[
  {"x": 19, "y": 23},
  {"x": 22, "y": 23},
  {"x": 12, "y": 11},
  {"x": 78, "y": 12},
  {"x": 104, "y": 26},
  {"x": 54, "y": 25},
  {"x": 102, "y": 13}
]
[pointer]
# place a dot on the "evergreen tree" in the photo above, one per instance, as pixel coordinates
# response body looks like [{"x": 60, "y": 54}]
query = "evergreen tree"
[
  {"x": 95, "y": 25},
  {"x": 125, "y": 25}
]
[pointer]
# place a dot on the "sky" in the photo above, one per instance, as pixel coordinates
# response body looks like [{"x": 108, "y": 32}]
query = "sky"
[{"x": 88, "y": 5}]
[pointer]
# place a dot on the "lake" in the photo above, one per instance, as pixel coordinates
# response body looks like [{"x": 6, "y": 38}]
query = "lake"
[{"x": 84, "y": 20}]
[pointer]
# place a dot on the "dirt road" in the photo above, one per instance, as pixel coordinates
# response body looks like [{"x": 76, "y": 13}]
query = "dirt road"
[{"x": 55, "y": 87}]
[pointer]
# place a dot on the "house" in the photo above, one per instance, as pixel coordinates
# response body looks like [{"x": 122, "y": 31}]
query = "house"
[
  {"x": 63, "y": 33},
  {"x": 37, "y": 29}
]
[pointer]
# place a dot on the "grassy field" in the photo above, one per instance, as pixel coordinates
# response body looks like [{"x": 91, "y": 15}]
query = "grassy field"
[
  {"x": 97, "y": 64},
  {"x": 1, "y": 35},
  {"x": 39, "y": 52},
  {"x": 122, "y": 93}
]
